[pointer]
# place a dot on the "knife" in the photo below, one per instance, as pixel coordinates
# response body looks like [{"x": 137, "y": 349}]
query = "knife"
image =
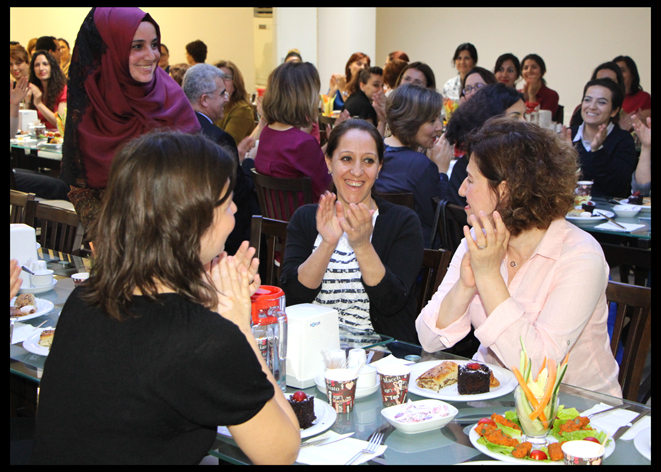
[
  {"x": 324, "y": 441},
  {"x": 623, "y": 429}
]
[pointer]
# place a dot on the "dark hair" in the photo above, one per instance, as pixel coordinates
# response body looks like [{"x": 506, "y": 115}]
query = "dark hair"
[
  {"x": 538, "y": 60},
  {"x": 362, "y": 78},
  {"x": 343, "y": 128},
  {"x": 422, "y": 67},
  {"x": 635, "y": 77},
  {"x": 489, "y": 101},
  {"x": 486, "y": 75},
  {"x": 410, "y": 106},
  {"x": 399, "y": 55},
  {"x": 617, "y": 98},
  {"x": 47, "y": 43},
  {"x": 166, "y": 48},
  {"x": 355, "y": 57},
  {"x": 67, "y": 42},
  {"x": 538, "y": 166},
  {"x": 508, "y": 57},
  {"x": 178, "y": 71},
  {"x": 162, "y": 192},
  {"x": 197, "y": 50},
  {"x": 612, "y": 66},
  {"x": 56, "y": 82},
  {"x": 465, "y": 47}
]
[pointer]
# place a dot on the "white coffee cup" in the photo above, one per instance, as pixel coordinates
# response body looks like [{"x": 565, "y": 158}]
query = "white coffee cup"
[
  {"x": 367, "y": 377},
  {"x": 80, "y": 277},
  {"x": 38, "y": 266},
  {"x": 42, "y": 278}
]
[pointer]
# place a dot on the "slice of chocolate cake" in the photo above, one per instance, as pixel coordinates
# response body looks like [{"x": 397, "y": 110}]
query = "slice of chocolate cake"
[
  {"x": 303, "y": 406},
  {"x": 473, "y": 378}
]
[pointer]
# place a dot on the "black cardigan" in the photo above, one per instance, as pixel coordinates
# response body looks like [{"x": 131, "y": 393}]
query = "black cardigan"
[
  {"x": 397, "y": 239},
  {"x": 611, "y": 166}
]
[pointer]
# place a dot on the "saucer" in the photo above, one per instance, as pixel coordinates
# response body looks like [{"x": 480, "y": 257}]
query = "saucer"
[{"x": 38, "y": 289}]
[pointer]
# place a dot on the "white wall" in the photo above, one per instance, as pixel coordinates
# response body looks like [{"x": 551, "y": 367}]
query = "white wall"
[{"x": 572, "y": 41}]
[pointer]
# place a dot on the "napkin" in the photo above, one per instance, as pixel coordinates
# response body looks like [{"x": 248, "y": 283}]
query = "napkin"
[
  {"x": 612, "y": 227},
  {"x": 389, "y": 360},
  {"x": 611, "y": 421},
  {"x": 22, "y": 331},
  {"x": 337, "y": 453}
]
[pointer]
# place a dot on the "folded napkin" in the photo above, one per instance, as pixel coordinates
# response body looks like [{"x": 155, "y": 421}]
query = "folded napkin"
[
  {"x": 613, "y": 227},
  {"x": 337, "y": 453},
  {"x": 611, "y": 421},
  {"x": 389, "y": 360},
  {"x": 22, "y": 331}
]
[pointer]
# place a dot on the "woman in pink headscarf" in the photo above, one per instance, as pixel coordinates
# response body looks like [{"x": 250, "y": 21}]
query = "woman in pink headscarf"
[{"x": 117, "y": 92}]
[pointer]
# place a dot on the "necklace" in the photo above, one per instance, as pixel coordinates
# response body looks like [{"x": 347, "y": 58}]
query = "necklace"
[{"x": 514, "y": 264}]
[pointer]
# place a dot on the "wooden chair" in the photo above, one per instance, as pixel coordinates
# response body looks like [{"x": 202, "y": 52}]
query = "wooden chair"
[
  {"x": 449, "y": 222},
  {"x": 270, "y": 235},
  {"x": 279, "y": 198},
  {"x": 323, "y": 121},
  {"x": 22, "y": 207},
  {"x": 399, "y": 198},
  {"x": 435, "y": 264},
  {"x": 60, "y": 229},
  {"x": 626, "y": 257},
  {"x": 633, "y": 326}
]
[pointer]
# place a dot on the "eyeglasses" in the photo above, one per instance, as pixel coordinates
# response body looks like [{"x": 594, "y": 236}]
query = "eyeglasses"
[
  {"x": 220, "y": 94},
  {"x": 468, "y": 89},
  {"x": 228, "y": 77}
]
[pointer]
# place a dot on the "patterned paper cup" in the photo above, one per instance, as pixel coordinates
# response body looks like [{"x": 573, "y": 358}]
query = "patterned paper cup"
[
  {"x": 582, "y": 453},
  {"x": 341, "y": 389},
  {"x": 394, "y": 384}
]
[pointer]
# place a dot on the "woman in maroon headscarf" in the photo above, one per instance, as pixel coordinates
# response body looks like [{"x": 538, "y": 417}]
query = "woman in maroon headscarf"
[{"x": 117, "y": 92}]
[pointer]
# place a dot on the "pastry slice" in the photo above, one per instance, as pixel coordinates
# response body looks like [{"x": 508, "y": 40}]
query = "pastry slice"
[{"x": 438, "y": 377}]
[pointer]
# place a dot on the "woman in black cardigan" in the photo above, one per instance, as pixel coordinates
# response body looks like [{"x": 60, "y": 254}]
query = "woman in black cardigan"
[
  {"x": 607, "y": 153},
  {"x": 355, "y": 252}
]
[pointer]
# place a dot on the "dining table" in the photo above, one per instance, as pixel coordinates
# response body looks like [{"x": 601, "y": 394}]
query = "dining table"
[
  {"x": 450, "y": 444},
  {"x": 32, "y": 154}
]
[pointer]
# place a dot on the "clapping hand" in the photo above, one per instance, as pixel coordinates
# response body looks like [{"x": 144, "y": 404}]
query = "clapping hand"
[
  {"x": 232, "y": 282},
  {"x": 18, "y": 93},
  {"x": 245, "y": 256},
  {"x": 643, "y": 132},
  {"x": 441, "y": 153},
  {"x": 356, "y": 221},
  {"x": 486, "y": 251},
  {"x": 328, "y": 224},
  {"x": 600, "y": 137}
]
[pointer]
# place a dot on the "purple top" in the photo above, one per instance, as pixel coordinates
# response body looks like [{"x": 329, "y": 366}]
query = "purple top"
[{"x": 293, "y": 154}]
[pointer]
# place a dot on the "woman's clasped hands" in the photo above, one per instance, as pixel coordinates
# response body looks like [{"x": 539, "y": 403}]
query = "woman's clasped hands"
[
  {"x": 485, "y": 252},
  {"x": 333, "y": 219}
]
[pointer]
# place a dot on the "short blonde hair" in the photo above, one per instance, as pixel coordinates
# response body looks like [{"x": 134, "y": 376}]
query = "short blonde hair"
[{"x": 292, "y": 95}]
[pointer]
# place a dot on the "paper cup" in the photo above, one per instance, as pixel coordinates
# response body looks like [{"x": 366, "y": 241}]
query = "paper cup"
[
  {"x": 341, "y": 389},
  {"x": 394, "y": 384},
  {"x": 582, "y": 453},
  {"x": 583, "y": 191},
  {"x": 42, "y": 278},
  {"x": 80, "y": 277}
]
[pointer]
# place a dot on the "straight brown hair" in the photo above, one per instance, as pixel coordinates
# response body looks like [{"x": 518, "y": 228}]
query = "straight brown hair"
[{"x": 292, "y": 95}]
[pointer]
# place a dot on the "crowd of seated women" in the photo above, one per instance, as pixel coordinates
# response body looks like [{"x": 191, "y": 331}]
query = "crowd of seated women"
[{"x": 512, "y": 277}]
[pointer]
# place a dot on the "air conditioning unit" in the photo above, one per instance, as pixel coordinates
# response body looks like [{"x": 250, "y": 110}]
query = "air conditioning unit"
[{"x": 263, "y": 12}]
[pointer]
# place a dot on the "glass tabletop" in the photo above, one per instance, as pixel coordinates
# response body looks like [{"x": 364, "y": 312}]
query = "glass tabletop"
[
  {"x": 644, "y": 217},
  {"x": 450, "y": 444}
]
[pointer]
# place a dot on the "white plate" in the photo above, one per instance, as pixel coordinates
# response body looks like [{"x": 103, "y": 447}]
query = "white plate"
[
  {"x": 360, "y": 392},
  {"x": 625, "y": 201},
  {"x": 325, "y": 414},
  {"x": 590, "y": 219},
  {"x": 40, "y": 289},
  {"x": 473, "y": 436},
  {"x": 43, "y": 307},
  {"x": 506, "y": 378},
  {"x": 642, "y": 441},
  {"x": 31, "y": 344}
]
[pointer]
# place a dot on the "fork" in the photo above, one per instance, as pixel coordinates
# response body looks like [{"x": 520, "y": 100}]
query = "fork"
[{"x": 371, "y": 448}]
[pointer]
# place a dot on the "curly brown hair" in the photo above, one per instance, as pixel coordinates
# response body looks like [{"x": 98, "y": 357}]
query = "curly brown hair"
[{"x": 539, "y": 167}]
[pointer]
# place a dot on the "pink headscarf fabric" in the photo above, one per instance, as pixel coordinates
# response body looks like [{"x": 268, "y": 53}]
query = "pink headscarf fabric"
[{"x": 121, "y": 108}]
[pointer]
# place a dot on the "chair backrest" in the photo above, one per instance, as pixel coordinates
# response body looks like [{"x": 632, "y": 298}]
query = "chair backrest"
[
  {"x": 269, "y": 237},
  {"x": 323, "y": 121},
  {"x": 61, "y": 229},
  {"x": 435, "y": 264},
  {"x": 279, "y": 198},
  {"x": 22, "y": 207},
  {"x": 633, "y": 326},
  {"x": 399, "y": 198},
  {"x": 449, "y": 222}
]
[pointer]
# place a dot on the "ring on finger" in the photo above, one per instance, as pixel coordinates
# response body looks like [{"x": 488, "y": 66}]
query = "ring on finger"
[{"x": 482, "y": 247}]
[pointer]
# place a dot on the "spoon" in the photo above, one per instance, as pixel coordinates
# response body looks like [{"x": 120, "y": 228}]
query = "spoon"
[{"x": 27, "y": 270}]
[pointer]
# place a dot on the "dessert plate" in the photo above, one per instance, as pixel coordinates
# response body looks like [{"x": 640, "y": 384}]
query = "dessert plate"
[
  {"x": 506, "y": 378},
  {"x": 43, "y": 307},
  {"x": 31, "y": 344},
  {"x": 325, "y": 414}
]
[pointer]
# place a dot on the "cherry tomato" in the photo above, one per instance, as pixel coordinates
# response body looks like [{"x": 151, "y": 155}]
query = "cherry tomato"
[
  {"x": 299, "y": 396},
  {"x": 592, "y": 439},
  {"x": 487, "y": 421},
  {"x": 538, "y": 455},
  {"x": 473, "y": 365}
]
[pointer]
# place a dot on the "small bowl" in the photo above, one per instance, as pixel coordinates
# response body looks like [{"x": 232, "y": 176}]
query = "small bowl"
[
  {"x": 436, "y": 422},
  {"x": 42, "y": 278},
  {"x": 626, "y": 211},
  {"x": 80, "y": 277}
]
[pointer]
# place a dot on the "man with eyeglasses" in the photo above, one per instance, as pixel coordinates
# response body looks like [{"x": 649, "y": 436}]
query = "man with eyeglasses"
[{"x": 204, "y": 85}]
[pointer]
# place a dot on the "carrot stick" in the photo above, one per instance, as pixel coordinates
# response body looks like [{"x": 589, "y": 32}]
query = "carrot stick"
[
  {"x": 565, "y": 360},
  {"x": 550, "y": 383},
  {"x": 541, "y": 369},
  {"x": 531, "y": 398}
]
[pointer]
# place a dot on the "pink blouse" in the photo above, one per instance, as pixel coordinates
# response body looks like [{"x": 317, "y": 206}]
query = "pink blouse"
[{"x": 558, "y": 301}]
